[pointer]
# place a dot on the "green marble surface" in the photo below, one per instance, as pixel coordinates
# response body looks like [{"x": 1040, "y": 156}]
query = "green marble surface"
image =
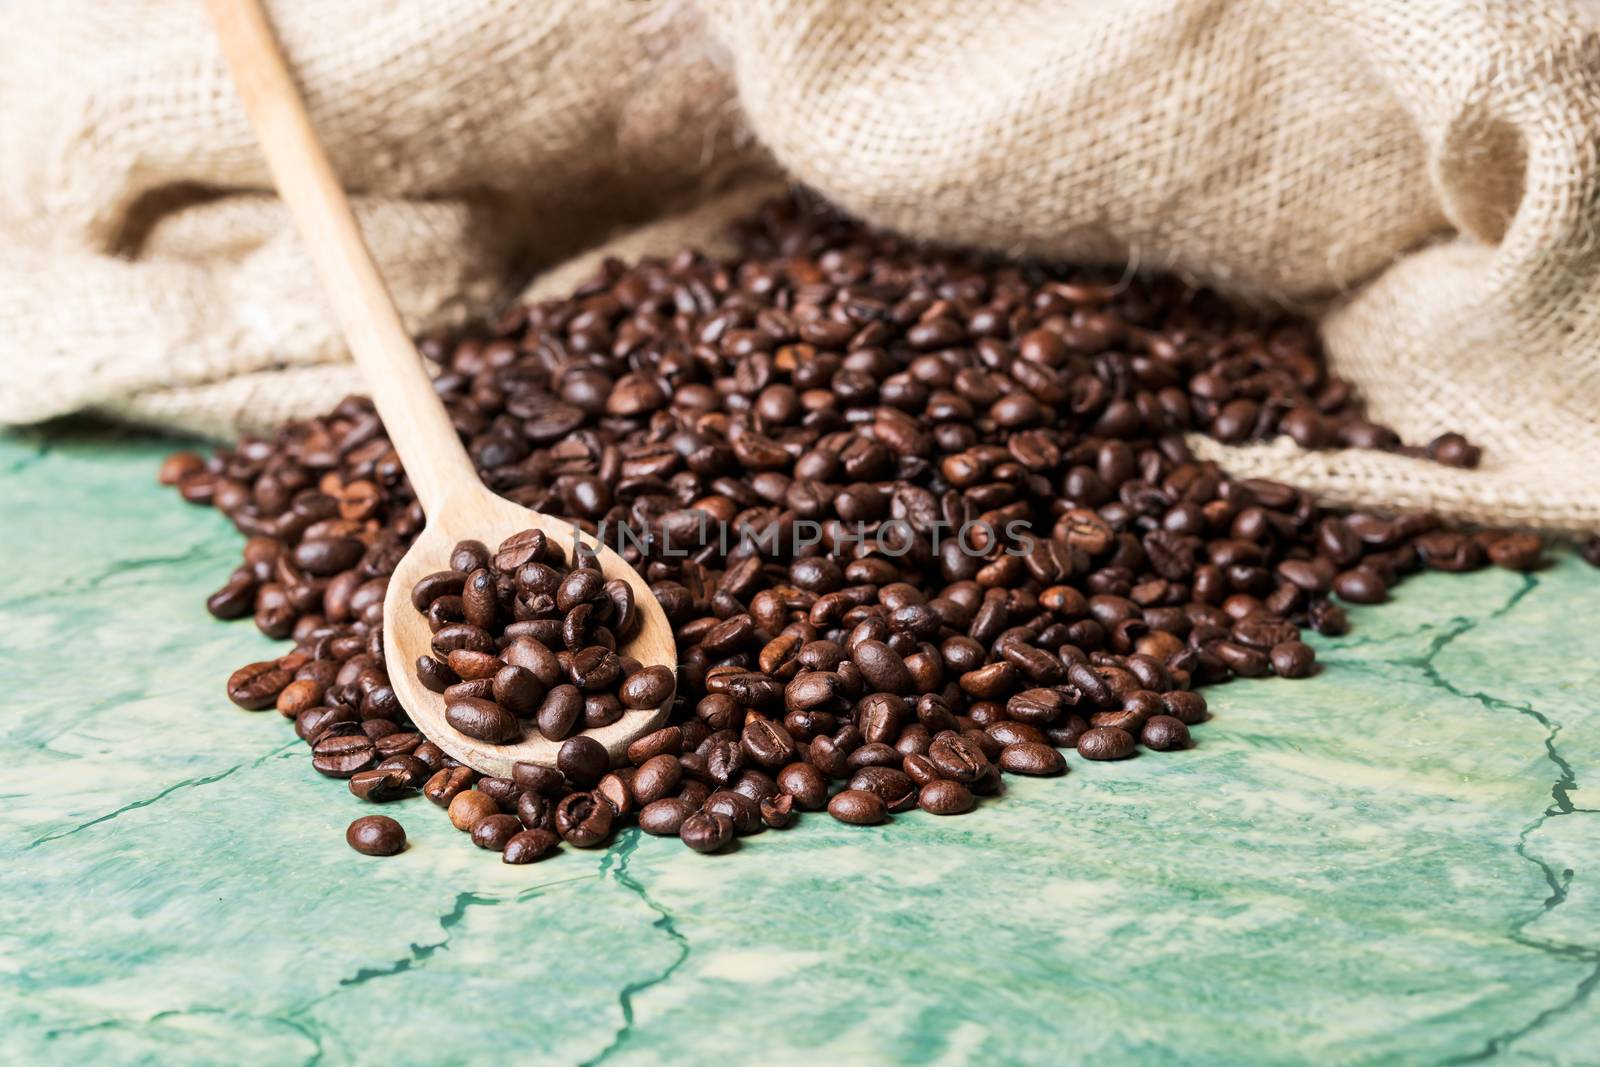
[{"x": 1395, "y": 862}]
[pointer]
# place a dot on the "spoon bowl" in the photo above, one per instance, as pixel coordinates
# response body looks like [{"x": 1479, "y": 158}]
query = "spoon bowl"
[{"x": 473, "y": 512}]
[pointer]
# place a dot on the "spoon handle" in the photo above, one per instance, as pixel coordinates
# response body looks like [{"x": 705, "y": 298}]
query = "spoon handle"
[{"x": 412, "y": 413}]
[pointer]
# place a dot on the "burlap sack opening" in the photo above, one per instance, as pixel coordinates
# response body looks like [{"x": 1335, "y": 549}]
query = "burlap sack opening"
[{"x": 1423, "y": 175}]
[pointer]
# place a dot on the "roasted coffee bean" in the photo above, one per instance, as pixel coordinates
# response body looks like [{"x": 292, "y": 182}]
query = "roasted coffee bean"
[
  {"x": 584, "y": 820},
  {"x": 665, "y": 817},
  {"x": 530, "y": 846},
  {"x": 483, "y": 719},
  {"x": 1106, "y": 742},
  {"x": 583, "y": 760},
  {"x": 882, "y": 667},
  {"x": 657, "y": 777},
  {"x": 806, "y": 783},
  {"x": 494, "y": 832},
  {"x": 767, "y": 744},
  {"x": 447, "y": 784},
  {"x": 559, "y": 713},
  {"x": 471, "y": 807},
  {"x": 537, "y": 778},
  {"x": 1163, "y": 733},
  {"x": 256, "y": 686},
  {"x": 778, "y": 812},
  {"x": 895, "y": 788},
  {"x": 503, "y": 791},
  {"x": 745, "y": 813},
  {"x": 1031, "y": 758},
  {"x": 858, "y": 808},
  {"x": 517, "y": 690},
  {"x": 649, "y": 688},
  {"x": 376, "y": 835},
  {"x": 1516, "y": 551},
  {"x": 957, "y": 757},
  {"x": 378, "y": 785},
  {"x": 1293, "y": 659},
  {"x": 342, "y": 755},
  {"x": 1361, "y": 586},
  {"x": 944, "y": 797},
  {"x": 666, "y": 741},
  {"x": 706, "y": 831}
]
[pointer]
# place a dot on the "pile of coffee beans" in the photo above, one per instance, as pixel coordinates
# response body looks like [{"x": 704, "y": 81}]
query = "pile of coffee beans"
[
  {"x": 992, "y": 543},
  {"x": 494, "y": 620}
]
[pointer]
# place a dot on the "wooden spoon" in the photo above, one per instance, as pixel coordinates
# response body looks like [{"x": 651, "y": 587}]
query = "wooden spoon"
[{"x": 457, "y": 505}]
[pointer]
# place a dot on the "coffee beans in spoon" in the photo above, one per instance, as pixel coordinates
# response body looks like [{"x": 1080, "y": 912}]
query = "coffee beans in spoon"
[
  {"x": 526, "y": 639},
  {"x": 976, "y": 536}
]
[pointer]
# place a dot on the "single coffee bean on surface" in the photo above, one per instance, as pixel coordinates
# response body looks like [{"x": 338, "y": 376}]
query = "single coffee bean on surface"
[
  {"x": 944, "y": 797},
  {"x": 858, "y": 808},
  {"x": 376, "y": 835},
  {"x": 470, "y": 808},
  {"x": 530, "y": 846},
  {"x": 706, "y": 831}
]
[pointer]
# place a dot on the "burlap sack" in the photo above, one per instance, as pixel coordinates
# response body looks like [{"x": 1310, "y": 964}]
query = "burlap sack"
[{"x": 1423, "y": 175}]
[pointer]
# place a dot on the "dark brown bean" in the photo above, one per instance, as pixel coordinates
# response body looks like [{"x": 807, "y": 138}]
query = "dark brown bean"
[
  {"x": 858, "y": 808},
  {"x": 1031, "y": 758},
  {"x": 1106, "y": 743},
  {"x": 530, "y": 846},
  {"x": 376, "y": 835},
  {"x": 483, "y": 719},
  {"x": 944, "y": 797}
]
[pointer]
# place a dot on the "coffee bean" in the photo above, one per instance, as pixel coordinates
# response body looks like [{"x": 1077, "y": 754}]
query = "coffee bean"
[
  {"x": 767, "y": 743},
  {"x": 447, "y": 784},
  {"x": 1361, "y": 586},
  {"x": 665, "y": 817},
  {"x": 806, "y": 783},
  {"x": 517, "y": 690},
  {"x": 1106, "y": 742},
  {"x": 584, "y": 820},
  {"x": 706, "y": 831},
  {"x": 482, "y": 719},
  {"x": 256, "y": 686},
  {"x": 537, "y": 778},
  {"x": 378, "y": 785},
  {"x": 649, "y": 688},
  {"x": 957, "y": 758},
  {"x": 494, "y": 832},
  {"x": 1293, "y": 659},
  {"x": 778, "y": 812},
  {"x": 744, "y": 812},
  {"x": 470, "y": 807},
  {"x": 1516, "y": 551},
  {"x": 1031, "y": 758},
  {"x": 376, "y": 835},
  {"x": 944, "y": 797},
  {"x": 530, "y": 846},
  {"x": 657, "y": 777},
  {"x": 882, "y": 667},
  {"x": 858, "y": 808},
  {"x": 558, "y": 714},
  {"x": 1163, "y": 733},
  {"x": 895, "y": 788},
  {"x": 342, "y": 755},
  {"x": 583, "y": 760}
]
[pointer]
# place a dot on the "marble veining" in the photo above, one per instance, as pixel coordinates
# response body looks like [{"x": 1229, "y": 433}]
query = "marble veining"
[{"x": 1394, "y": 862}]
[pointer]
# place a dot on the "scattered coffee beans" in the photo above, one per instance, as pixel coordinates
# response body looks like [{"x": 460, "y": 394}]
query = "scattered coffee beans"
[{"x": 917, "y": 520}]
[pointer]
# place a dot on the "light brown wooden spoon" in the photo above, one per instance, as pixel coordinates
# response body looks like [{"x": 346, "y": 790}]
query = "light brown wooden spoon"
[{"x": 457, "y": 505}]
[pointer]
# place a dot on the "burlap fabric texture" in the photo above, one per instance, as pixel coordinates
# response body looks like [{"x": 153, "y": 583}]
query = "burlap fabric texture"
[{"x": 1422, "y": 175}]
